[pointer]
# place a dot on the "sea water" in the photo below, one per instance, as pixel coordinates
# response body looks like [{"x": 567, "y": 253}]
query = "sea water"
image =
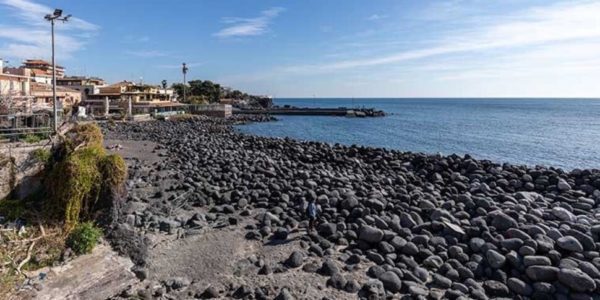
[{"x": 562, "y": 133}]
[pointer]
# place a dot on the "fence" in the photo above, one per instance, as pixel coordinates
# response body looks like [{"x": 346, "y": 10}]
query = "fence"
[{"x": 20, "y": 124}]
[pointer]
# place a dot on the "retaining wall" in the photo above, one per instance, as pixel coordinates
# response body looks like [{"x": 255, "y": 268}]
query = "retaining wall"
[{"x": 20, "y": 170}]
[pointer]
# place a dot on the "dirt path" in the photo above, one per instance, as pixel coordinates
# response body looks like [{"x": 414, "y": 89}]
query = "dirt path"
[{"x": 224, "y": 258}]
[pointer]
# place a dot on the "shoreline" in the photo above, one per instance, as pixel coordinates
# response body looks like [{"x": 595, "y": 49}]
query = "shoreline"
[
  {"x": 415, "y": 224},
  {"x": 493, "y": 161}
]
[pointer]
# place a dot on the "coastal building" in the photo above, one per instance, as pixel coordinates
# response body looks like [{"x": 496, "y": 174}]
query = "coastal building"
[
  {"x": 39, "y": 70},
  {"x": 20, "y": 92},
  {"x": 43, "y": 69},
  {"x": 130, "y": 98},
  {"x": 15, "y": 93},
  {"x": 85, "y": 85},
  {"x": 42, "y": 96}
]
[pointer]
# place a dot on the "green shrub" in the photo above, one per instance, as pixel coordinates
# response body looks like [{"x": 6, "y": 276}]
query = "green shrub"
[
  {"x": 41, "y": 155},
  {"x": 32, "y": 138},
  {"x": 84, "y": 237}
]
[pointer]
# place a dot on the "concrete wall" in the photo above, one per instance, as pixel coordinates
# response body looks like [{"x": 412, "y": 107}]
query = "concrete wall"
[
  {"x": 212, "y": 110},
  {"x": 20, "y": 170}
]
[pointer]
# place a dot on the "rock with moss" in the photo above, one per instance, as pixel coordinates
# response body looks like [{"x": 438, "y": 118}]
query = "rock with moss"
[{"x": 85, "y": 182}]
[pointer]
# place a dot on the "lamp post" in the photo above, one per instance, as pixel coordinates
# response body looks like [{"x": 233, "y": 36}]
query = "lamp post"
[
  {"x": 57, "y": 15},
  {"x": 184, "y": 70},
  {"x": 164, "y": 86}
]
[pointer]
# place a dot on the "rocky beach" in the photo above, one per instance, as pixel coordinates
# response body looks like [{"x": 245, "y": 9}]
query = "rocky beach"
[{"x": 214, "y": 213}]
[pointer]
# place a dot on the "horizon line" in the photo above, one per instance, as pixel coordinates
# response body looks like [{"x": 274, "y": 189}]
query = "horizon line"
[{"x": 449, "y": 98}]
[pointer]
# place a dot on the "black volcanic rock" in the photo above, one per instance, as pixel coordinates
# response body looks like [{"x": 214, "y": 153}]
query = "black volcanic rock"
[{"x": 436, "y": 226}]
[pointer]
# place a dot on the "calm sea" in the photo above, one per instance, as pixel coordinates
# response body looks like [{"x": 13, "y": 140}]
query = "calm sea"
[{"x": 562, "y": 133}]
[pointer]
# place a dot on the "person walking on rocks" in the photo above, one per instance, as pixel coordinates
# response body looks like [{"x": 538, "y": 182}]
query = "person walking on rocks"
[{"x": 312, "y": 213}]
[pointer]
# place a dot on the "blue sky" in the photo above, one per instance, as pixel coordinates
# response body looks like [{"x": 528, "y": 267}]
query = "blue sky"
[{"x": 383, "y": 48}]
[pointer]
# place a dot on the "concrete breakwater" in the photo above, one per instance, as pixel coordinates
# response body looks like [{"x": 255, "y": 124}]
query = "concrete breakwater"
[
  {"x": 427, "y": 226},
  {"x": 309, "y": 111}
]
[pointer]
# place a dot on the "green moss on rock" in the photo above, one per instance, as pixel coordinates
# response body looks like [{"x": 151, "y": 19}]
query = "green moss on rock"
[
  {"x": 114, "y": 170},
  {"x": 78, "y": 184},
  {"x": 42, "y": 155}
]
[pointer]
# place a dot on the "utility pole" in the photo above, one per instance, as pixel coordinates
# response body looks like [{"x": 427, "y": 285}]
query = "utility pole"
[
  {"x": 57, "y": 15},
  {"x": 184, "y": 69}
]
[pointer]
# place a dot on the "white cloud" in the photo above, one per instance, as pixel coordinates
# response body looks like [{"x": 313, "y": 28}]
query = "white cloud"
[
  {"x": 242, "y": 27},
  {"x": 33, "y": 13},
  {"x": 146, "y": 53},
  {"x": 544, "y": 51},
  {"x": 449, "y": 10},
  {"x": 28, "y": 36},
  {"x": 566, "y": 22},
  {"x": 376, "y": 17},
  {"x": 564, "y": 59}
]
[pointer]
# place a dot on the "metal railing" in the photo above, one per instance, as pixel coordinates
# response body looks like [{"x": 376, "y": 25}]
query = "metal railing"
[{"x": 21, "y": 124}]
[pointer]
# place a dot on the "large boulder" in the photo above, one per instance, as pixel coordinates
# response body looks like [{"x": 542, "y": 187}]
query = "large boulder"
[
  {"x": 370, "y": 234},
  {"x": 519, "y": 287},
  {"x": 563, "y": 214},
  {"x": 563, "y": 185},
  {"x": 569, "y": 243},
  {"x": 391, "y": 281},
  {"x": 542, "y": 273},
  {"x": 328, "y": 268},
  {"x": 503, "y": 221},
  {"x": 576, "y": 280},
  {"x": 327, "y": 229},
  {"x": 495, "y": 259},
  {"x": 295, "y": 260}
]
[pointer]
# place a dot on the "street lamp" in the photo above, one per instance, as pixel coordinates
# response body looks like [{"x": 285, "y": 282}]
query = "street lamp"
[
  {"x": 184, "y": 70},
  {"x": 57, "y": 15}
]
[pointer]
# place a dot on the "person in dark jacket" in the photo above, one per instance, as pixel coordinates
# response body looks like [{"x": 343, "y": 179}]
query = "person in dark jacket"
[{"x": 311, "y": 212}]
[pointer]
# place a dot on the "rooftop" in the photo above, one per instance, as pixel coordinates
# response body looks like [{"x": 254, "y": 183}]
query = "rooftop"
[
  {"x": 40, "y": 72},
  {"x": 39, "y": 62},
  {"x": 80, "y": 78},
  {"x": 41, "y": 87},
  {"x": 36, "y": 61}
]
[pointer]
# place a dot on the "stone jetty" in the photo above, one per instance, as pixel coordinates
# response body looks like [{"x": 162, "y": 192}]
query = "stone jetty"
[
  {"x": 311, "y": 111},
  {"x": 423, "y": 226}
]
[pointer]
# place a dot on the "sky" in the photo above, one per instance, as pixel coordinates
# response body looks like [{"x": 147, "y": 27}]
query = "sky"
[{"x": 315, "y": 48}]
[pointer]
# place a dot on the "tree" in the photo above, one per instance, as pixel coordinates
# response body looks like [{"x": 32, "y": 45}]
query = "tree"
[
  {"x": 236, "y": 95},
  {"x": 206, "y": 88},
  {"x": 178, "y": 88},
  {"x": 206, "y": 91}
]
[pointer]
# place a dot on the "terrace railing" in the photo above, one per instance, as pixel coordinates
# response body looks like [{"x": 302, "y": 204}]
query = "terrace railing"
[{"x": 14, "y": 125}]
